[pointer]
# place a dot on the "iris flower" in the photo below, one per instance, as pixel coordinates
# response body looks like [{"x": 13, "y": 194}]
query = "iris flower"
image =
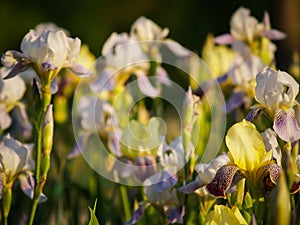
[
  {"x": 44, "y": 50},
  {"x": 246, "y": 28},
  {"x": 16, "y": 163},
  {"x": 276, "y": 93},
  {"x": 249, "y": 159}
]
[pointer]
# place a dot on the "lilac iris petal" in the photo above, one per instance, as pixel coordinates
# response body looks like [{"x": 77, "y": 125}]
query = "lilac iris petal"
[
  {"x": 147, "y": 88},
  {"x": 191, "y": 187},
  {"x": 105, "y": 82},
  {"x": 175, "y": 215},
  {"x": 27, "y": 185},
  {"x": 286, "y": 125},
  {"x": 137, "y": 215},
  {"x": 236, "y": 100},
  {"x": 124, "y": 167},
  {"x": 177, "y": 49},
  {"x": 162, "y": 76},
  {"x": 21, "y": 125},
  {"x": 225, "y": 39},
  {"x": 16, "y": 62},
  {"x": 165, "y": 182},
  {"x": 79, "y": 145},
  {"x": 274, "y": 34},
  {"x": 145, "y": 166},
  {"x": 80, "y": 70},
  {"x": 252, "y": 114},
  {"x": 114, "y": 142}
]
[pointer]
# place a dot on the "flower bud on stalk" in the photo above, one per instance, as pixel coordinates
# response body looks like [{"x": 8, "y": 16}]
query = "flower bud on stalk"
[{"x": 47, "y": 139}]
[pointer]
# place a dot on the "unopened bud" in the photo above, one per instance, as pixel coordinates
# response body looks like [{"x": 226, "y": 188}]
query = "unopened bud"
[{"x": 48, "y": 130}]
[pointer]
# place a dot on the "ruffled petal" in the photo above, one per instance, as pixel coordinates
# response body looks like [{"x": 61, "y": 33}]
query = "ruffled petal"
[
  {"x": 138, "y": 214},
  {"x": 286, "y": 125},
  {"x": 222, "y": 181}
]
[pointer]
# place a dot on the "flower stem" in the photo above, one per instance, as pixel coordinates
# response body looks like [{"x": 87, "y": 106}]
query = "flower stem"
[
  {"x": 39, "y": 183},
  {"x": 125, "y": 201},
  {"x": 7, "y": 198}
]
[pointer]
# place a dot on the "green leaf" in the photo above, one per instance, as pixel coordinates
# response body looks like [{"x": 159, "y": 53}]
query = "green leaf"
[{"x": 93, "y": 220}]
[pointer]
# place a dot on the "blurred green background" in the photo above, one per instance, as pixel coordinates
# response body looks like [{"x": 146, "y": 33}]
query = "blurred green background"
[{"x": 189, "y": 21}]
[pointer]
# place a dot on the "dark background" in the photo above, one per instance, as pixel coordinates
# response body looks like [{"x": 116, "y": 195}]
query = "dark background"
[{"x": 189, "y": 21}]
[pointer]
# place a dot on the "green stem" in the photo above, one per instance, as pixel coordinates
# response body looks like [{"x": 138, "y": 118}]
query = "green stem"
[
  {"x": 125, "y": 201},
  {"x": 7, "y": 198},
  {"x": 45, "y": 101}
]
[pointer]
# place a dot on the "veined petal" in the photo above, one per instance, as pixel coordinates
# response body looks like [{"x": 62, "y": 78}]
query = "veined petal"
[
  {"x": 268, "y": 175},
  {"x": 286, "y": 125},
  {"x": 245, "y": 145},
  {"x": 222, "y": 181}
]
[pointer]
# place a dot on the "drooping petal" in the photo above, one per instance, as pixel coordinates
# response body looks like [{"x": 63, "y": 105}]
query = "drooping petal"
[
  {"x": 268, "y": 175},
  {"x": 146, "y": 87},
  {"x": 165, "y": 182},
  {"x": 137, "y": 215},
  {"x": 27, "y": 185},
  {"x": 271, "y": 143},
  {"x": 222, "y": 181},
  {"x": 274, "y": 34},
  {"x": 286, "y": 125},
  {"x": 175, "y": 214},
  {"x": 80, "y": 70},
  {"x": 245, "y": 145},
  {"x": 79, "y": 145},
  {"x": 225, "y": 39},
  {"x": 191, "y": 187},
  {"x": 252, "y": 114}
]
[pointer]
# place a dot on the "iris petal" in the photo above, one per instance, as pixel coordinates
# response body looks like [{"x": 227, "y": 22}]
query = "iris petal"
[
  {"x": 268, "y": 175},
  {"x": 286, "y": 125},
  {"x": 222, "y": 181}
]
